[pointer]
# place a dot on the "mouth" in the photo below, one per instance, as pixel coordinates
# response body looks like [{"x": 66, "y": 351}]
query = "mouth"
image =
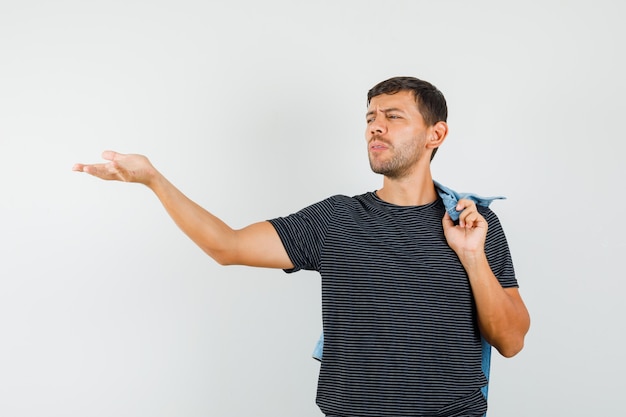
[{"x": 378, "y": 146}]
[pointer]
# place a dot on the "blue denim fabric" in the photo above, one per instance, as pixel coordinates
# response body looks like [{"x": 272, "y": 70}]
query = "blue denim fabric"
[
  {"x": 450, "y": 199},
  {"x": 318, "y": 352}
]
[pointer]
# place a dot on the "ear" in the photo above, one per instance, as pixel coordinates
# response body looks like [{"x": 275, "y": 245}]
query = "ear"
[{"x": 436, "y": 135}]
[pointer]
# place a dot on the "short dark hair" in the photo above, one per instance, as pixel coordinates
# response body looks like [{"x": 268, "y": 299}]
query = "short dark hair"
[{"x": 430, "y": 101}]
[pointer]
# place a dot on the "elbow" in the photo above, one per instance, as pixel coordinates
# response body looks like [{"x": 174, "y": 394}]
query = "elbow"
[
  {"x": 222, "y": 262},
  {"x": 511, "y": 345},
  {"x": 510, "y": 350},
  {"x": 510, "y": 341},
  {"x": 223, "y": 258}
]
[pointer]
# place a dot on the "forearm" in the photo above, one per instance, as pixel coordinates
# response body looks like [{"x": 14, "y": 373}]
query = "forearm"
[
  {"x": 502, "y": 316},
  {"x": 256, "y": 245},
  {"x": 210, "y": 233}
]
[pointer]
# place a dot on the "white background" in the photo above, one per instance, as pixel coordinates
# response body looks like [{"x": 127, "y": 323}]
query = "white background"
[{"x": 255, "y": 110}]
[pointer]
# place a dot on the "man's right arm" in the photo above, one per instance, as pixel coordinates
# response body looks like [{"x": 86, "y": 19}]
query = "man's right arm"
[{"x": 254, "y": 245}]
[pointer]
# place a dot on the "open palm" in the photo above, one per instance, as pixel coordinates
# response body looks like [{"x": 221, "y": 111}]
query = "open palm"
[{"x": 121, "y": 167}]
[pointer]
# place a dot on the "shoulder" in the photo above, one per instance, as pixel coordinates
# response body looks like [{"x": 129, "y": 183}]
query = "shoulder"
[
  {"x": 486, "y": 212},
  {"x": 328, "y": 208},
  {"x": 490, "y": 216},
  {"x": 345, "y": 201}
]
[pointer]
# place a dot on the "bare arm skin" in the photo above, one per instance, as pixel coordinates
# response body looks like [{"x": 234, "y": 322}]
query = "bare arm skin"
[
  {"x": 502, "y": 316},
  {"x": 254, "y": 245}
]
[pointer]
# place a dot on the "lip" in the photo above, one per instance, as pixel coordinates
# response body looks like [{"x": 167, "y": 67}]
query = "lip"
[{"x": 378, "y": 146}]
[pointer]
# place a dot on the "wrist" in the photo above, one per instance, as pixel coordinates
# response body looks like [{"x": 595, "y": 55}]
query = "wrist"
[
  {"x": 471, "y": 259},
  {"x": 153, "y": 179}
]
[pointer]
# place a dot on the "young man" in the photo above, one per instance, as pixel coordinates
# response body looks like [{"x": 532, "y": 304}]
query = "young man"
[{"x": 407, "y": 293}]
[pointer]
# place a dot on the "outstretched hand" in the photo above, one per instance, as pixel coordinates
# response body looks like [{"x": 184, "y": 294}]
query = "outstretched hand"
[
  {"x": 121, "y": 167},
  {"x": 468, "y": 237}
]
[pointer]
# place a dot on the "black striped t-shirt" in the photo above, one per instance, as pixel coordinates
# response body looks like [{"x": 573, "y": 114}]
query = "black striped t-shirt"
[{"x": 399, "y": 320}]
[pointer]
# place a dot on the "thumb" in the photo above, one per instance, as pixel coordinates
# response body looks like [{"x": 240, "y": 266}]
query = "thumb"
[
  {"x": 111, "y": 155},
  {"x": 447, "y": 221}
]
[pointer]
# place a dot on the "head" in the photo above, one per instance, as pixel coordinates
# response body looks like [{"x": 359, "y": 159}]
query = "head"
[{"x": 429, "y": 100}]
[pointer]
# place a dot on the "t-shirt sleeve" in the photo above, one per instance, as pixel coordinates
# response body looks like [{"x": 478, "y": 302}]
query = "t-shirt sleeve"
[
  {"x": 497, "y": 250},
  {"x": 302, "y": 234}
]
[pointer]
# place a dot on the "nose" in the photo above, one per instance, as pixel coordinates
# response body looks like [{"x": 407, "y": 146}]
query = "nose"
[{"x": 377, "y": 126}]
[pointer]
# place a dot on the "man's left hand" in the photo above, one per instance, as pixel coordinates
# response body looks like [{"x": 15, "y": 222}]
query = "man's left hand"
[{"x": 468, "y": 236}]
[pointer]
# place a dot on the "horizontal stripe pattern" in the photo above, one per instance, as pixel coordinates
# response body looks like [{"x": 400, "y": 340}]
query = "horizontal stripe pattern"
[{"x": 400, "y": 332}]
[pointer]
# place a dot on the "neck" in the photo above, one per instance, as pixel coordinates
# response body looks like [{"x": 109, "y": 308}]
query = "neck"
[{"x": 413, "y": 190}]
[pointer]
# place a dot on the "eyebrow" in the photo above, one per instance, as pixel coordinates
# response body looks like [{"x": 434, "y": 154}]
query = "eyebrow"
[{"x": 390, "y": 109}]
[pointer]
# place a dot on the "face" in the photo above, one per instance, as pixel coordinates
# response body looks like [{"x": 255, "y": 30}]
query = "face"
[{"x": 396, "y": 134}]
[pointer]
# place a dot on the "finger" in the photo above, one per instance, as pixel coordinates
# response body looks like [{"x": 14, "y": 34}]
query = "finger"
[
  {"x": 470, "y": 220},
  {"x": 106, "y": 171},
  {"x": 464, "y": 204},
  {"x": 473, "y": 219},
  {"x": 97, "y": 170},
  {"x": 108, "y": 155},
  {"x": 468, "y": 217},
  {"x": 111, "y": 155},
  {"x": 466, "y": 207},
  {"x": 447, "y": 221},
  {"x": 92, "y": 169}
]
